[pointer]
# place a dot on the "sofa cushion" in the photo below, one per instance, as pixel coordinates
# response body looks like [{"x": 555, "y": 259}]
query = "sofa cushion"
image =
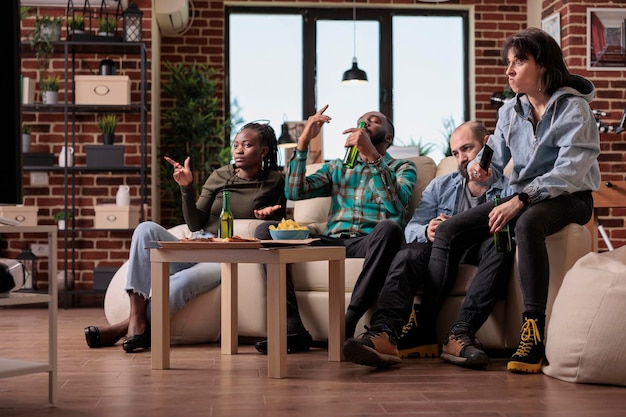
[{"x": 585, "y": 340}]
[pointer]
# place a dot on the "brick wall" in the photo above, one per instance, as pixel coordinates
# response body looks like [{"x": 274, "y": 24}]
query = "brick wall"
[
  {"x": 92, "y": 248},
  {"x": 494, "y": 20}
]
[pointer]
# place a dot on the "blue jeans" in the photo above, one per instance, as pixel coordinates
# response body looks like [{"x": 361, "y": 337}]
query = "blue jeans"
[
  {"x": 530, "y": 228},
  {"x": 187, "y": 280}
]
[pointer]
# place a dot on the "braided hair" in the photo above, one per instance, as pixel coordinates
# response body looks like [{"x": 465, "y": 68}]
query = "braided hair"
[{"x": 268, "y": 138}]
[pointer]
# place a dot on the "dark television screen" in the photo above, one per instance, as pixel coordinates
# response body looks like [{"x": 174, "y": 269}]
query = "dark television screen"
[{"x": 11, "y": 166}]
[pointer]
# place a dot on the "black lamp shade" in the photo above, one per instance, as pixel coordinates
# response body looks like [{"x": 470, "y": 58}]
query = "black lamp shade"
[
  {"x": 286, "y": 140},
  {"x": 354, "y": 74},
  {"x": 132, "y": 23}
]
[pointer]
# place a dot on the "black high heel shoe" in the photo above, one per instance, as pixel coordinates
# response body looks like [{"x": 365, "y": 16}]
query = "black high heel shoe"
[
  {"x": 137, "y": 342},
  {"x": 92, "y": 336}
]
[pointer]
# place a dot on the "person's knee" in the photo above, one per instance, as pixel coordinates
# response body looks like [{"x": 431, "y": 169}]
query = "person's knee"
[
  {"x": 146, "y": 231},
  {"x": 390, "y": 230},
  {"x": 262, "y": 231}
]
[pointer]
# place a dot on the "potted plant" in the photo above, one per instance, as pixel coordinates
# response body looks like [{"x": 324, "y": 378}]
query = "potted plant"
[
  {"x": 195, "y": 120},
  {"x": 107, "y": 26},
  {"x": 46, "y": 31},
  {"x": 76, "y": 24},
  {"x": 107, "y": 124},
  {"x": 61, "y": 217},
  {"x": 50, "y": 89},
  {"x": 26, "y": 138}
]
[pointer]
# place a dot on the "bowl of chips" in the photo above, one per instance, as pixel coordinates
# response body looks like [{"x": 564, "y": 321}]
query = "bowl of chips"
[{"x": 289, "y": 230}]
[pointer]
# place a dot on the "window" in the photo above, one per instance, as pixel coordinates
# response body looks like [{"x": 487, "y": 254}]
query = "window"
[{"x": 285, "y": 63}]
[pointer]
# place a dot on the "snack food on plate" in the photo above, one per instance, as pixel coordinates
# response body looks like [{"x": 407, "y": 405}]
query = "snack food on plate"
[
  {"x": 288, "y": 225},
  {"x": 235, "y": 238}
]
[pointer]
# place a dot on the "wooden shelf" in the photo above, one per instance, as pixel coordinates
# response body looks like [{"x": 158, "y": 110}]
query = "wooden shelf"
[{"x": 15, "y": 367}]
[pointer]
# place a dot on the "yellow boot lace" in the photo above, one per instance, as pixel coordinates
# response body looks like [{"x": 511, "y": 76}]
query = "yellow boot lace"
[
  {"x": 529, "y": 336},
  {"x": 410, "y": 324}
]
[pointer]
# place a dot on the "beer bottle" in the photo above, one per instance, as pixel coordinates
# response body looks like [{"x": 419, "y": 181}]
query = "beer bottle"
[
  {"x": 502, "y": 239},
  {"x": 226, "y": 217},
  {"x": 352, "y": 152}
]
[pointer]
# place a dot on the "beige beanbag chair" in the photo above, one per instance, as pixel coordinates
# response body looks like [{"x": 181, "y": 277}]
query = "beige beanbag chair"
[{"x": 586, "y": 336}]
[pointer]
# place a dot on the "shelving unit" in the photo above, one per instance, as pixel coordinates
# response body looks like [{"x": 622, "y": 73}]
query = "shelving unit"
[
  {"x": 15, "y": 367},
  {"x": 73, "y": 52}
]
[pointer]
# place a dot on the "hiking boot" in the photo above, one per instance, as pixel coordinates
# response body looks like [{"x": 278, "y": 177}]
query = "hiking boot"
[
  {"x": 413, "y": 342},
  {"x": 530, "y": 353},
  {"x": 463, "y": 349},
  {"x": 376, "y": 347}
]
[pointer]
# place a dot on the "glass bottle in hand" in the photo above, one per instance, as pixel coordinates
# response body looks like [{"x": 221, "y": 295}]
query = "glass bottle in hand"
[
  {"x": 226, "y": 217},
  {"x": 502, "y": 239},
  {"x": 352, "y": 152}
]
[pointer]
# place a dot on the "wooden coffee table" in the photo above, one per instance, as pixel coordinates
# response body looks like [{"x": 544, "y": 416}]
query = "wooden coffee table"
[{"x": 230, "y": 255}]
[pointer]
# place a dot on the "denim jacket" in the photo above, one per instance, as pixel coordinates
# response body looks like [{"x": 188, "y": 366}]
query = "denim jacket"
[
  {"x": 440, "y": 197},
  {"x": 561, "y": 156}
]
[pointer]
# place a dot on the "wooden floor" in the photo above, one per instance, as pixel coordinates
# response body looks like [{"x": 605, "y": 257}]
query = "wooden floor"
[{"x": 202, "y": 382}]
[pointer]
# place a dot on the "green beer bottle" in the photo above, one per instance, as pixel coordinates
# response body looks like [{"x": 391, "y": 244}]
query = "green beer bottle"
[
  {"x": 226, "y": 217},
  {"x": 502, "y": 239},
  {"x": 352, "y": 152}
]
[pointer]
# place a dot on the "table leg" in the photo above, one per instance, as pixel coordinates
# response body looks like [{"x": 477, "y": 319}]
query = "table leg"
[
  {"x": 276, "y": 320},
  {"x": 230, "y": 321},
  {"x": 53, "y": 306},
  {"x": 336, "y": 310},
  {"x": 160, "y": 315}
]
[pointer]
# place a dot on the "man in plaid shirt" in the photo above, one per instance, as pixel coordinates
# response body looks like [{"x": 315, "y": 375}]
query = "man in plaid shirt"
[{"x": 369, "y": 203}]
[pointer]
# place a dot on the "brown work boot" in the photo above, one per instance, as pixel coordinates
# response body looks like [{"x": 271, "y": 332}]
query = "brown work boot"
[
  {"x": 462, "y": 348},
  {"x": 376, "y": 347}
]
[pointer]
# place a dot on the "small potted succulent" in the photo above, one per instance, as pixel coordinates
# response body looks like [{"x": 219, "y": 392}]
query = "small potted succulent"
[
  {"x": 50, "y": 89},
  {"x": 76, "y": 24},
  {"x": 26, "y": 138},
  {"x": 62, "y": 217},
  {"x": 107, "y": 26},
  {"x": 107, "y": 124}
]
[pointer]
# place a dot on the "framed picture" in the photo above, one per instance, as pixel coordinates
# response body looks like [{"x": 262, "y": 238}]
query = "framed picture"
[
  {"x": 606, "y": 39},
  {"x": 552, "y": 25}
]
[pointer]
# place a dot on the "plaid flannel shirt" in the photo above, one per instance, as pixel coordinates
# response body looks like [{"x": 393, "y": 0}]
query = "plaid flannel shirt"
[{"x": 361, "y": 197}]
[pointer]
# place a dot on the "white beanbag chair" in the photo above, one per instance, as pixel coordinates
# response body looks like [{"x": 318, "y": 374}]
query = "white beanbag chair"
[{"x": 586, "y": 336}]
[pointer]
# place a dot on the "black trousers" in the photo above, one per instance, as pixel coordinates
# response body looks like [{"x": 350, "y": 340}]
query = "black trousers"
[{"x": 378, "y": 249}]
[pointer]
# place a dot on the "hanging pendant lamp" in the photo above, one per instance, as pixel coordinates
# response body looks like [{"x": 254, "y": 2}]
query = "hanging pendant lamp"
[{"x": 354, "y": 74}]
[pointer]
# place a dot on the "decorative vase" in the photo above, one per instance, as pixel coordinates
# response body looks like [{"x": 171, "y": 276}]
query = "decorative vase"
[
  {"x": 26, "y": 139},
  {"x": 122, "y": 198},
  {"x": 66, "y": 156}
]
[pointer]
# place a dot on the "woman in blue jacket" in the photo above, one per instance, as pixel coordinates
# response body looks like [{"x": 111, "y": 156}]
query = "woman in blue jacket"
[{"x": 551, "y": 134}]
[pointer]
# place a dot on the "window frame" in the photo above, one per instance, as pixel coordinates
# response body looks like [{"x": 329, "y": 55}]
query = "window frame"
[{"x": 384, "y": 16}]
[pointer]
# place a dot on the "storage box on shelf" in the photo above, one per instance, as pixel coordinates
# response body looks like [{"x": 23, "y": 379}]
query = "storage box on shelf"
[
  {"x": 102, "y": 276},
  {"x": 103, "y": 89},
  {"x": 105, "y": 156},
  {"x": 24, "y": 215},
  {"x": 112, "y": 216},
  {"x": 38, "y": 159}
]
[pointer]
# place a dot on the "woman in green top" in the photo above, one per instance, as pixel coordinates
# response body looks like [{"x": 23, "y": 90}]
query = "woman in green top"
[{"x": 256, "y": 188}]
